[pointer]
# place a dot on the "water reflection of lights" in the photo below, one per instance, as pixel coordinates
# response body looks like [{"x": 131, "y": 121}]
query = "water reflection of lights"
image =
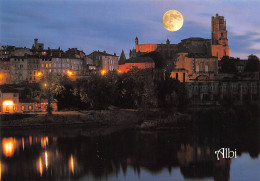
[
  {"x": 72, "y": 164},
  {"x": 46, "y": 159},
  {"x": 23, "y": 142},
  {"x": 40, "y": 166},
  {"x": 8, "y": 146},
  {"x": 44, "y": 142},
  {"x": 30, "y": 140}
]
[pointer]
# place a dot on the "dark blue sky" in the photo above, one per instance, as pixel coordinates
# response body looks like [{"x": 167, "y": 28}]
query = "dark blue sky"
[{"x": 112, "y": 25}]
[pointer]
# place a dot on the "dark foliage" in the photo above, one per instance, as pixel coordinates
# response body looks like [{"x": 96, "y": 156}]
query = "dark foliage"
[
  {"x": 253, "y": 64},
  {"x": 228, "y": 65}
]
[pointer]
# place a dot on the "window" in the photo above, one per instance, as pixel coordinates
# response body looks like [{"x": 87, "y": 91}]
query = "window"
[
  {"x": 183, "y": 77},
  {"x": 197, "y": 68},
  {"x": 49, "y": 65},
  {"x": 46, "y": 65},
  {"x": 206, "y": 68},
  {"x": 30, "y": 108},
  {"x": 177, "y": 76},
  {"x": 42, "y": 65},
  {"x": 22, "y": 108}
]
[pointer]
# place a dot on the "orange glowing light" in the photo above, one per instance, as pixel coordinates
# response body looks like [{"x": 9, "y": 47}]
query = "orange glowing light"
[
  {"x": 72, "y": 164},
  {"x": 46, "y": 159},
  {"x": 40, "y": 166},
  {"x": 8, "y": 103},
  {"x": 0, "y": 171},
  {"x": 119, "y": 71},
  {"x": 8, "y": 145},
  {"x": 23, "y": 143},
  {"x": 39, "y": 74},
  {"x": 30, "y": 140},
  {"x": 69, "y": 73},
  {"x": 44, "y": 142},
  {"x": 45, "y": 85},
  {"x": 103, "y": 72}
]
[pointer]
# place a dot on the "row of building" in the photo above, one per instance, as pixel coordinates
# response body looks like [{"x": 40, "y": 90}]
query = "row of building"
[
  {"x": 194, "y": 61},
  {"x": 22, "y": 64}
]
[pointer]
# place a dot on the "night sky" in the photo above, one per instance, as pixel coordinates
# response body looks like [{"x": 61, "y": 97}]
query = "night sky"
[{"x": 112, "y": 25}]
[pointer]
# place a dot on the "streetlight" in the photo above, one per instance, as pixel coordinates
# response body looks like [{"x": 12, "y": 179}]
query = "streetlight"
[
  {"x": 69, "y": 73},
  {"x": 39, "y": 74},
  {"x": 103, "y": 72}
]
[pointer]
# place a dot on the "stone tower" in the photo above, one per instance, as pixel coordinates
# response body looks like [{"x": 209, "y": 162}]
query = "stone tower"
[
  {"x": 219, "y": 38},
  {"x": 136, "y": 41}
]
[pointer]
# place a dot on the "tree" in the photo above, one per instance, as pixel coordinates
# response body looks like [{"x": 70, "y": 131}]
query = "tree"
[
  {"x": 50, "y": 85},
  {"x": 135, "y": 89},
  {"x": 97, "y": 91},
  {"x": 228, "y": 65},
  {"x": 171, "y": 93},
  {"x": 122, "y": 58},
  {"x": 253, "y": 64}
]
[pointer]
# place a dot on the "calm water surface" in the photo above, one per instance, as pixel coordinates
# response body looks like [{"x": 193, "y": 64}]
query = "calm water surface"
[{"x": 128, "y": 155}]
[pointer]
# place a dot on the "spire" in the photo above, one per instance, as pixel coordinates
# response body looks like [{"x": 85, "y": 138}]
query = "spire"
[
  {"x": 136, "y": 41},
  {"x": 167, "y": 41}
]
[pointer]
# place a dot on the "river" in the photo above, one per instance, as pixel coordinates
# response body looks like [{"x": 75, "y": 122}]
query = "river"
[{"x": 127, "y": 155}]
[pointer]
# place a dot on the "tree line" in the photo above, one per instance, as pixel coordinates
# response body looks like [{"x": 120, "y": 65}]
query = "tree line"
[{"x": 134, "y": 89}]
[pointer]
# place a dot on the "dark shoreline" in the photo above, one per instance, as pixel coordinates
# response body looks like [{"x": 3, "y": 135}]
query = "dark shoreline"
[{"x": 91, "y": 123}]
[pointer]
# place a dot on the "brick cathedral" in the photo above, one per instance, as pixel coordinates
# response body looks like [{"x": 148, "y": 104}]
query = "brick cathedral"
[{"x": 194, "y": 58}]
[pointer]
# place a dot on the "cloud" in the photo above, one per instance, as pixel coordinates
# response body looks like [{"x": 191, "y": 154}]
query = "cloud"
[{"x": 112, "y": 25}]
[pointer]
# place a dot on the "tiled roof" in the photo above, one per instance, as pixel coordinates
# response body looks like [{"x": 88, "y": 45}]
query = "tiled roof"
[{"x": 140, "y": 60}]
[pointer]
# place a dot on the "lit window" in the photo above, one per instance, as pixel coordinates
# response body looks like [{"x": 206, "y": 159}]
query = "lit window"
[
  {"x": 49, "y": 65},
  {"x": 46, "y": 65},
  {"x": 30, "y": 108},
  {"x": 22, "y": 108}
]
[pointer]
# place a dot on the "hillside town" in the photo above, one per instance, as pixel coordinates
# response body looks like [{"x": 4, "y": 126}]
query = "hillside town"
[{"x": 202, "y": 66}]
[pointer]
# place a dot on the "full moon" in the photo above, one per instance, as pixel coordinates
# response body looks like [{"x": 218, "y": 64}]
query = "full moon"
[{"x": 172, "y": 20}]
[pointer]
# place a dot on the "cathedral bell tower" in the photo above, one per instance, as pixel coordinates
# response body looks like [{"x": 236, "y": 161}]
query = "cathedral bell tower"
[{"x": 219, "y": 40}]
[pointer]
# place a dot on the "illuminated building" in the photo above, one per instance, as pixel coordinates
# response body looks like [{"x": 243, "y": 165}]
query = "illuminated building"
[
  {"x": 219, "y": 38},
  {"x": 10, "y": 103},
  {"x": 138, "y": 62},
  {"x": 104, "y": 61},
  {"x": 5, "y": 76}
]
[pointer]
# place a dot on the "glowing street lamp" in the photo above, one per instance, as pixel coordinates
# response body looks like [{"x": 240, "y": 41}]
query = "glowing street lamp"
[
  {"x": 45, "y": 84},
  {"x": 69, "y": 73},
  {"x": 103, "y": 72},
  {"x": 39, "y": 74}
]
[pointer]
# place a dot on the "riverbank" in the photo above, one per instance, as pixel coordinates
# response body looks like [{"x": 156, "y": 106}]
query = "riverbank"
[{"x": 95, "y": 122}]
